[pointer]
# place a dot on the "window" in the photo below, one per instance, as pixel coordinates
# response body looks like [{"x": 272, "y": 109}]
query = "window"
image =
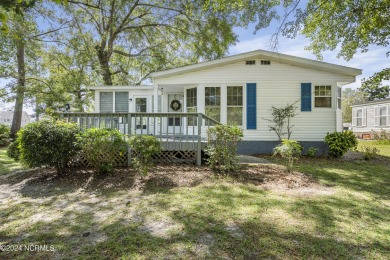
[
  {"x": 339, "y": 97},
  {"x": 234, "y": 105},
  {"x": 250, "y": 62},
  {"x": 382, "y": 116},
  {"x": 106, "y": 102},
  {"x": 122, "y": 102},
  {"x": 323, "y": 96},
  {"x": 359, "y": 117},
  {"x": 265, "y": 62},
  {"x": 191, "y": 105},
  {"x": 213, "y": 102}
]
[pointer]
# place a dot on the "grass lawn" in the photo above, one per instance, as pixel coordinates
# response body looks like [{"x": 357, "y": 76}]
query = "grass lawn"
[
  {"x": 332, "y": 209},
  {"x": 384, "y": 149},
  {"x": 7, "y": 164}
]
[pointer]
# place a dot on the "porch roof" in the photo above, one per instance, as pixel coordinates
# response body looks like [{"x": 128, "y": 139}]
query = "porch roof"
[{"x": 272, "y": 56}]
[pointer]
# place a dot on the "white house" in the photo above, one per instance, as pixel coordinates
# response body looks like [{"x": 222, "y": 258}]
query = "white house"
[
  {"x": 240, "y": 90},
  {"x": 7, "y": 116},
  {"x": 372, "y": 116}
]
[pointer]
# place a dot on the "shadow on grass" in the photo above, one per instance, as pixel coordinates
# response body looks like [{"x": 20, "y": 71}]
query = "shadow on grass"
[
  {"x": 199, "y": 228},
  {"x": 363, "y": 176}
]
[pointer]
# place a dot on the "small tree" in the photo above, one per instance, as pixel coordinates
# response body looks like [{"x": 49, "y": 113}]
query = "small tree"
[
  {"x": 144, "y": 146},
  {"x": 48, "y": 143},
  {"x": 222, "y": 147},
  {"x": 101, "y": 146},
  {"x": 289, "y": 150},
  {"x": 281, "y": 119}
]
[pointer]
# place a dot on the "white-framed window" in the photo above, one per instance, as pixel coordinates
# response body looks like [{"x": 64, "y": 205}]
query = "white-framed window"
[
  {"x": 382, "y": 115},
  {"x": 339, "y": 93},
  {"x": 213, "y": 102},
  {"x": 359, "y": 117},
  {"x": 234, "y": 105},
  {"x": 323, "y": 96},
  {"x": 192, "y": 102}
]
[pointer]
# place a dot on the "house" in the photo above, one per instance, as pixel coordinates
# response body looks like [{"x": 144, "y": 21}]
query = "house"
[
  {"x": 6, "y": 118},
  {"x": 240, "y": 90},
  {"x": 370, "y": 117}
]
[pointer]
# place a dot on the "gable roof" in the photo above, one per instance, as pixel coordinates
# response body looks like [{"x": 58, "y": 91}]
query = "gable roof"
[
  {"x": 379, "y": 101},
  {"x": 272, "y": 56}
]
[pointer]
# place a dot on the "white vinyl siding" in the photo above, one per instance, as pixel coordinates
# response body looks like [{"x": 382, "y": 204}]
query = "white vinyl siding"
[{"x": 272, "y": 90}]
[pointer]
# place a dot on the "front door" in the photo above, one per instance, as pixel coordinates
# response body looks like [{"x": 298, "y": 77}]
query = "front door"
[{"x": 175, "y": 105}]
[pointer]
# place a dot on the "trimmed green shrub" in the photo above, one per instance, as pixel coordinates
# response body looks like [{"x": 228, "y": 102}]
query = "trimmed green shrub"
[
  {"x": 222, "y": 148},
  {"x": 312, "y": 152},
  {"x": 289, "y": 150},
  {"x": 48, "y": 143},
  {"x": 5, "y": 131},
  {"x": 340, "y": 142},
  {"x": 13, "y": 150},
  {"x": 369, "y": 153},
  {"x": 101, "y": 146},
  {"x": 144, "y": 147}
]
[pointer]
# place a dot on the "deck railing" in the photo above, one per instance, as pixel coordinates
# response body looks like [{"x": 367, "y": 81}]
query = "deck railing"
[{"x": 175, "y": 131}]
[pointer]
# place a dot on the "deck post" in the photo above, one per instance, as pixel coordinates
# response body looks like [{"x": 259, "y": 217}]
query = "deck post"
[
  {"x": 129, "y": 119},
  {"x": 199, "y": 152}
]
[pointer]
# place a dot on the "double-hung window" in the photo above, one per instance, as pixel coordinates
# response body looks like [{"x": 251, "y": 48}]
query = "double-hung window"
[
  {"x": 213, "y": 102},
  {"x": 339, "y": 91},
  {"x": 323, "y": 96},
  {"x": 359, "y": 117},
  {"x": 192, "y": 102},
  {"x": 383, "y": 116},
  {"x": 234, "y": 105}
]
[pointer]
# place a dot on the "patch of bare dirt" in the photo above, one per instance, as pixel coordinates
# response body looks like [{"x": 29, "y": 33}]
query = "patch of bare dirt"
[{"x": 44, "y": 182}]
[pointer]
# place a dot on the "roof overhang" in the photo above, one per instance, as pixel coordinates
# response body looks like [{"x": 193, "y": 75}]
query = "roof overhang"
[
  {"x": 261, "y": 54},
  {"x": 144, "y": 87}
]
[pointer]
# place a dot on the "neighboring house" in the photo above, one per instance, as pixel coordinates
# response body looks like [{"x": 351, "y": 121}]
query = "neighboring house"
[
  {"x": 371, "y": 116},
  {"x": 7, "y": 116},
  {"x": 240, "y": 90}
]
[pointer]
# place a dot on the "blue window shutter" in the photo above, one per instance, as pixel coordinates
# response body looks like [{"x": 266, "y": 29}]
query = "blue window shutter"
[
  {"x": 305, "y": 96},
  {"x": 251, "y": 106}
]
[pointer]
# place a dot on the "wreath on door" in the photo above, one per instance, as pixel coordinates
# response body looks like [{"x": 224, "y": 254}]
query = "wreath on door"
[{"x": 175, "y": 105}]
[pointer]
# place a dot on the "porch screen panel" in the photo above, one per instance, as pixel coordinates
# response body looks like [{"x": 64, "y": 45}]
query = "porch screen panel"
[
  {"x": 122, "y": 102},
  {"x": 106, "y": 102}
]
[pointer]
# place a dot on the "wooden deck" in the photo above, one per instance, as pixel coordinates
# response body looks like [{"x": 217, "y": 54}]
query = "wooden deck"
[{"x": 185, "y": 132}]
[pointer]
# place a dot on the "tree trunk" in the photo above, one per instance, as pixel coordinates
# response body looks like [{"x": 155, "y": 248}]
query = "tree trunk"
[
  {"x": 104, "y": 58},
  {"x": 20, "y": 89}
]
